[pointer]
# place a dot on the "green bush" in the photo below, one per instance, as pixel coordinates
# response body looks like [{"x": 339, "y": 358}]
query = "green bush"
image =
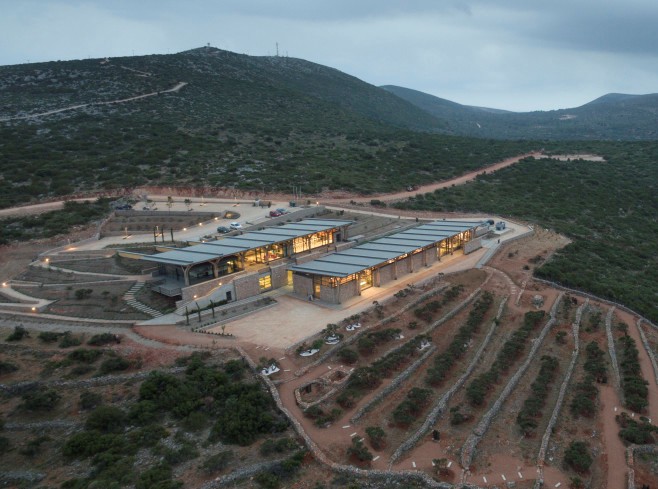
[
  {"x": 377, "y": 437},
  {"x": 7, "y": 367},
  {"x": 89, "y": 400},
  {"x": 359, "y": 451},
  {"x": 578, "y": 457},
  {"x": 217, "y": 462},
  {"x": 40, "y": 399},
  {"x": 106, "y": 419},
  {"x": 347, "y": 356},
  {"x": 158, "y": 477},
  {"x": 69, "y": 340},
  {"x": 103, "y": 339},
  {"x": 18, "y": 334},
  {"x": 83, "y": 355},
  {"x": 49, "y": 336},
  {"x": 113, "y": 364}
]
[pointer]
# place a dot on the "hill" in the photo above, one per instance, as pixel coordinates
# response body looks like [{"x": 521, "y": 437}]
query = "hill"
[
  {"x": 610, "y": 117},
  {"x": 213, "y": 118}
]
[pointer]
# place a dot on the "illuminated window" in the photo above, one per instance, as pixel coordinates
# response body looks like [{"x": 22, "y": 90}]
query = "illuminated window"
[{"x": 265, "y": 282}]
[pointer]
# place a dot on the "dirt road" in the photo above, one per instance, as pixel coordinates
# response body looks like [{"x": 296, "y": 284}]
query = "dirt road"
[{"x": 467, "y": 177}]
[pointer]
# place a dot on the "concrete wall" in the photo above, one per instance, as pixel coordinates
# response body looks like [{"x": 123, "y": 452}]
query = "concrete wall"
[
  {"x": 302, "y": 286},
  {"x": 204, "y": 288},
  {"x": 471, "y": 246}
]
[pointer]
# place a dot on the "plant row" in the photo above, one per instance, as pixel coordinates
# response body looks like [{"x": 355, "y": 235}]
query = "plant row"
[
  {"x": 585, "y": 392},
  {"x": 533, "y": 405},
  {"x": 426, "y": 311},
  {"x": 636, "y": 392},
  {"x": 477, "y": 390},
  {"x": 444, "y": 361},
  {"x": 364, "y": 379}
]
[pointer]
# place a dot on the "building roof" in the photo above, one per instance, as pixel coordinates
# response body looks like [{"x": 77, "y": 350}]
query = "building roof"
[
  {"x": 377, "y": 252},
  {"x": 212, "y": 250}
]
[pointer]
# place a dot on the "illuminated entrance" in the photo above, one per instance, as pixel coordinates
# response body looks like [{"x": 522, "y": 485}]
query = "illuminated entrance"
[{"x": 365, "y": 279}]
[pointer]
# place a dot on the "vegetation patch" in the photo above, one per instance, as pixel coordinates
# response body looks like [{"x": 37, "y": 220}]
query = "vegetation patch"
[
  {"x": 477, "y": 390},
  {"x": 533, "y": 405}
]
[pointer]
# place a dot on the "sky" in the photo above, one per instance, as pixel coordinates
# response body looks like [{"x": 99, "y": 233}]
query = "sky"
[{"x": 519, "y": 55}]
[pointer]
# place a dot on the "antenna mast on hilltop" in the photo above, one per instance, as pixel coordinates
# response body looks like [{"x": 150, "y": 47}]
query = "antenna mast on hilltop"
[{"x": 277, "y": 49}]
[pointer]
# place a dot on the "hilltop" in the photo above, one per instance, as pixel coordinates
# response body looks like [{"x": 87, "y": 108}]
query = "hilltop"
[
  {"x": 213, "y": 118},
  {"x": 611, "y": 117}
]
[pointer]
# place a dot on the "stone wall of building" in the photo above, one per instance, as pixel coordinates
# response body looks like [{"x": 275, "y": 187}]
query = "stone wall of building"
[
  {"x": 431, "y": 256},
  {"x": 246, "y": 287},
  {"x": 386, "y": 274},
  {"x": 418, "y": 261},
  {"x": 302, "y": 285},
  {"x": 279, "y": 275},
  {"x": 348, "y": 290}
]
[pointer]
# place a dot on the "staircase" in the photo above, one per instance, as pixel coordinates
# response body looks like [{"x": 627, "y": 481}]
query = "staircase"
[{"x": 129, "y": 297}]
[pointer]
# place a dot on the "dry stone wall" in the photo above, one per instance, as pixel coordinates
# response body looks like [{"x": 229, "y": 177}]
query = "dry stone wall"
[
  {"x": 471, "y": 443},
  {"x": 611, "y": 347},
  {"x": 647, "y": 347},
  {"x": 394, "y": 385},
  {"x": 442, "y": 404},
  {"x": 541, "y": 457}
]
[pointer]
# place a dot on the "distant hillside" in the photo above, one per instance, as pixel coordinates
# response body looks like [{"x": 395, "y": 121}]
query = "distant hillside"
[
  {"x": 213, "y": 118},
  {"x": 611, "y": 117}
]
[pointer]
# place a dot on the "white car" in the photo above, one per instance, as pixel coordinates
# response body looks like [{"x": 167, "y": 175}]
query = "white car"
[{"x": 235, "y": 225}]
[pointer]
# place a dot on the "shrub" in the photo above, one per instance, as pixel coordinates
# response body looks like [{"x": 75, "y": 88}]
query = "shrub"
[
  {"x": 359, "y": 451},
  {"x": 217, "y": 462},
  {"x": 347, "y": 356},
  {"x": 277, "y": 446},
  {"x": 18, "y": 334},
  {"x": 89, "y": 400},
  {"x": 81, "y": 294},
  {"x": 41, "y": 399},
  {"x": 49, "y": 336},
  {"x": 33, "y": 447},
  {"x": 103, "y": 339},
  {"x": 157, "y": 477},
  {"x": 7, "y": 367},
  {"x": 577, "y": 456},
  {"x": 532, "y": 406},
  {"x": 106, "y": 419},
  {"x": 376, "y": 436},
  {"x": 114, "y": 364},
  {"x": 69, "y": 340},
  {"x": 83, "y": 355}
]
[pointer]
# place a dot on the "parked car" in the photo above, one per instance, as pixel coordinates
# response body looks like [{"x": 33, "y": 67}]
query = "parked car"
[
  {"x": 282, "y": 211},
  {"x": 223, "y": 229},
  {"x": 275, "y": 213},
  {"x": 235, "y": 225}
]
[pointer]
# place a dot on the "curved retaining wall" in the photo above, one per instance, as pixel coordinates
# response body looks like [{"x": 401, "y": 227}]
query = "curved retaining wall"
[
  {"x": 442, "y": 403},
  {"x": 469, "y": 446},
  {"x": 611, "y": 347},
  {"x": 541, "y": 457},
  {"x": 647, "y": 347}
]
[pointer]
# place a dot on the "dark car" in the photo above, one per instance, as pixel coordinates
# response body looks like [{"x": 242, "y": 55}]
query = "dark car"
[
  {"x": 275, "y": 213},
  {"x": 223, "y": 229}
]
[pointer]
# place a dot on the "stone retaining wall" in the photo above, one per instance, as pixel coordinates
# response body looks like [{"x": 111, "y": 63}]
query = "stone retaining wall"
[
  {"x": 541, "y": 457},
  {"x": 469, "y": 446},
  {"x": 647, "y": 347},
  {"x": 442, "y": 404},
  {"x": 352, "y": 339},
  {"x": 395, "y": 383},
  {"x": 596, "y": 298},
  {"x": 611, "y": 347},
  {"x": 630, "y": 460}
]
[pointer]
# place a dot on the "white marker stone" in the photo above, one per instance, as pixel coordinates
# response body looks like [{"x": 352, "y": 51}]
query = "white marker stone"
[
  {"x": 413, "y": 464},
  {"x": 449, "y": 464},
  {"x": 520, "y": 476},
  {"x": 484, "y": 479},
  {"x": 503, "y": 476},
  {"x": 346, "y": 426},
  {"x": 558, "y": 484},
  {"x": 353, "y": 434},
  {"x": 376, "y": 458}
]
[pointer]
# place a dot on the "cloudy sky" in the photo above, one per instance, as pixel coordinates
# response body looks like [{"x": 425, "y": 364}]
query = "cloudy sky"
[{"x": 510, "y": 54}]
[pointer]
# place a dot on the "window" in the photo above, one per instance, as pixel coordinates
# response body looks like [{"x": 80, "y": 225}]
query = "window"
[{"x": 265, "y": 282}]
